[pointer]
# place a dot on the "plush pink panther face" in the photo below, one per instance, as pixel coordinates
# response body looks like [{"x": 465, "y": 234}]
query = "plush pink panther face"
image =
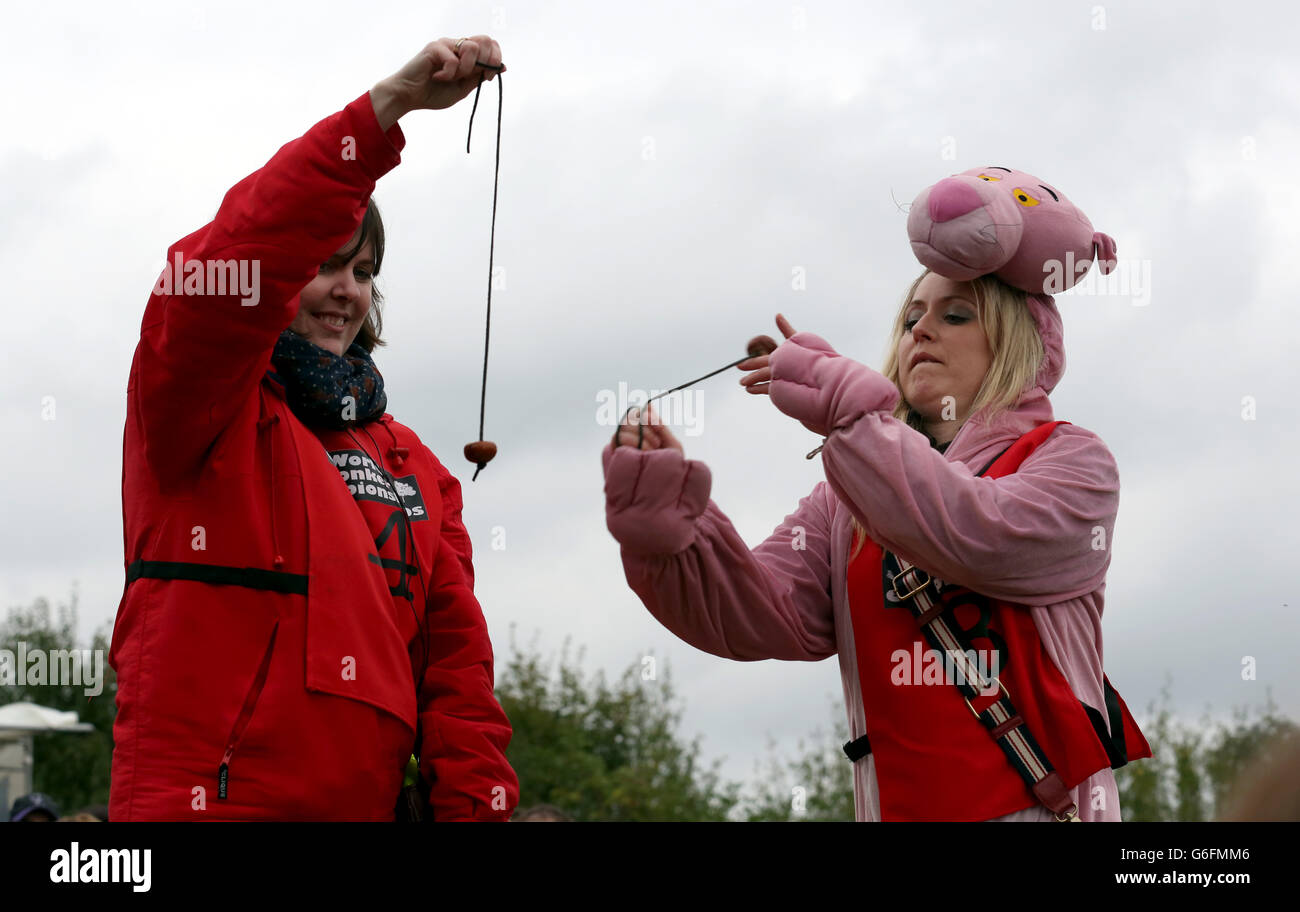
[{"x": 995, "y": 220}]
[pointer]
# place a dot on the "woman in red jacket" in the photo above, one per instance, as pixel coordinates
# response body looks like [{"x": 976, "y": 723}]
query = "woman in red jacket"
[{"x": 299, "y": 615}]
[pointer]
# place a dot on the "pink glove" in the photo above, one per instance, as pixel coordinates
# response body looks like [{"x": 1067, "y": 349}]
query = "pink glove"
[
  {"x": 823, "y": 390},
  {"x": 653, "y": 498}
]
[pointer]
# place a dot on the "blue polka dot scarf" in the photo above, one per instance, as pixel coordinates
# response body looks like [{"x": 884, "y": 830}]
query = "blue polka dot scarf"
[{"x": 325, "y": 390}]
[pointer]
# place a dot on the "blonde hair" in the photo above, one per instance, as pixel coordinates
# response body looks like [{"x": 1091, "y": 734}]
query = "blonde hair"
[
  {"x": 1016, "y": 346},
  {"x": 1009, "y": 327}
]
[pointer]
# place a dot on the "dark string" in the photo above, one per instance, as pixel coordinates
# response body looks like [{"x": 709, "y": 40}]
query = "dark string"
[
  {"x": 640, "y": 433},
  {"x": 487, "y": 335},
  {"x": 698, "y": 379}
]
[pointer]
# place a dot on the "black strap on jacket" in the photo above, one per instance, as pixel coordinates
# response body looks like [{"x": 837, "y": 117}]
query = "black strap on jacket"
[
  {"x": 1112, "y": 740},
  {"x": 858, "y": 748},
  {"x": 248, "y": 577}
]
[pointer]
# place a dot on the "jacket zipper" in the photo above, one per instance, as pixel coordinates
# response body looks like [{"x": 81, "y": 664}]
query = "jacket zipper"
[{"x": 245, "y": 713}]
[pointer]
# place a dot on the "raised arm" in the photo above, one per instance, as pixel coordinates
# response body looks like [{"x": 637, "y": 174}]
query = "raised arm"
[
  {"x": 1039, "y": 536},
  {"x": 230, "y": 288},
  {"x": 209, "y": 328},
  {"x": 687, "y": 563}
]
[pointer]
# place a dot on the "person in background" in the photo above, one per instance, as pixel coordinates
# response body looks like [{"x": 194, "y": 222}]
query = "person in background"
[
  {"x": 81, "y": 817},
  {"x": 541, "y": 813},
  {"x": 34, "y": 808}
]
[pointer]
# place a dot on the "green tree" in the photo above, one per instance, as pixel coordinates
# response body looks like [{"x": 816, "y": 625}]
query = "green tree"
[
  {"x": 613, "y": 751},
  {"x": 1189, "y": 777},
  {"x": 1234, "y": 749},
  {"x": 814, "y": 785},
  {"x": 602, "y": 751},
  {"x": 1192, "y": 768},
  {"x": 73, "y": 769}
]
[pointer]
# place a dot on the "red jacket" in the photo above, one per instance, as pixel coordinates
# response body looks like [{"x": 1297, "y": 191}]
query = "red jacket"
[{"x": 267, "y": 646}]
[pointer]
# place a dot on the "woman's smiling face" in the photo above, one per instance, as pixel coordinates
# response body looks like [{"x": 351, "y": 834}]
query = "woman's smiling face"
[
  {"x": 334, "y": 305},
  {"x": 943, "y": 350}
]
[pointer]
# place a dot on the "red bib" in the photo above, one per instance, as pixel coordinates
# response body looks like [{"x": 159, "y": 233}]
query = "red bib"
[{"x": 934, "y": 760}]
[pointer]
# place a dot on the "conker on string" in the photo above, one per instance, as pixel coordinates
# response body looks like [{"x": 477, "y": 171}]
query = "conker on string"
[
  {"x": 480, "y": 452},
  {"x": 760, "y": 345}
]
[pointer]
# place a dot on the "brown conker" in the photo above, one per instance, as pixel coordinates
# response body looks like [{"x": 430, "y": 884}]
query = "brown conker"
[
  {"x": 761, "y": 345},
  {"x": 480, "y": 452}
]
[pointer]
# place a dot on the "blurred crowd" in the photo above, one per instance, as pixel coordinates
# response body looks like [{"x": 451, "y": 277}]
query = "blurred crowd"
[{"x": 40, "y": 808}]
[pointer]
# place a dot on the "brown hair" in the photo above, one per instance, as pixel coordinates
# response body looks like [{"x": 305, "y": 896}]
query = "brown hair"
[{"x": 372, "y": 231}]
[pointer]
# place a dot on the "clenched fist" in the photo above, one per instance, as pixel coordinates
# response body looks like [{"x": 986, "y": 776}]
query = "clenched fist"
[
  {"x": 443, "y": 73},
  {"x": 643, "y": 430}
]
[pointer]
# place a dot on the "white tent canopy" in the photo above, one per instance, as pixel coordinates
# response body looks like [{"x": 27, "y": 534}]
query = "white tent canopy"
[
  {"x": 19, "y": 723},
  {"x": 28, "y": 718}
]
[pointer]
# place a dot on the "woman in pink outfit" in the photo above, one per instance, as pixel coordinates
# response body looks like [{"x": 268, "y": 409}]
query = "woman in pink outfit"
[{"x": 1018, "y": 560}]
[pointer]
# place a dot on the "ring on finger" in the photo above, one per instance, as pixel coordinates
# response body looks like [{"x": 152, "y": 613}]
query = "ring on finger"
[{"x": 459, "y": 43}]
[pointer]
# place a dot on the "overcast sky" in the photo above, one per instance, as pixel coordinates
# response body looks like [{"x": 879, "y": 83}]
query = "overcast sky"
[{"x": 665, "y": 170}]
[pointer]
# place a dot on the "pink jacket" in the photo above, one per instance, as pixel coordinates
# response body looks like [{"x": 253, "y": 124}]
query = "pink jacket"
[{"x": 1039, "y": 537}]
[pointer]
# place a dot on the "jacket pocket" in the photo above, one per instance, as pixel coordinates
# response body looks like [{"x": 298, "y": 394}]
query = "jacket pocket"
[{"x": 245, "y": 714}]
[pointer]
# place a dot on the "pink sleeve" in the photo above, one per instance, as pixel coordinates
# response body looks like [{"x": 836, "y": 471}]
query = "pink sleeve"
[
  {"x": 686, "y": 562},
  {"x": 1040, "y": 536}
]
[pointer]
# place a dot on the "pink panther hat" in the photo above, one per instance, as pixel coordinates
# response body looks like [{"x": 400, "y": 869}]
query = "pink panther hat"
[{"x": 1020, "y": 229}]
